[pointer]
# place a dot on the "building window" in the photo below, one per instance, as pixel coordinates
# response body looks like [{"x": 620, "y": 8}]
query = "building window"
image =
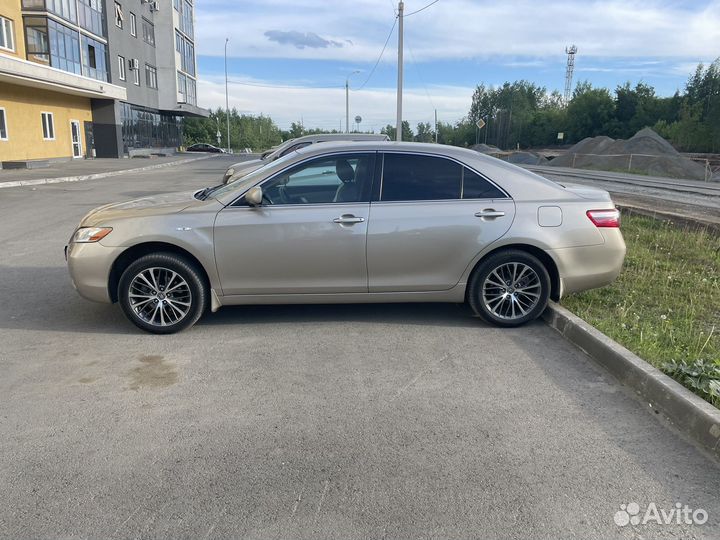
[
  {"x": 176, "y": 5},
  {"x": 121, "y": 67},
  {"x": 187, "y": 53},
  {"x": 150, "y": 76},
  {"x": 119, "y": 17},
  {"x": 133, "y": 25},
  {"x": 136, "y": 71},
  {"x": 148, "y": 30},
  {"x": 3, "y": 125},
  {"x": 187, "y": 91},
  {"x": 48, "y": 126},
  {"x": 6, "y": 34},
  {"x": 93, "y": 59},
  {"x": 186, "y": 18}
]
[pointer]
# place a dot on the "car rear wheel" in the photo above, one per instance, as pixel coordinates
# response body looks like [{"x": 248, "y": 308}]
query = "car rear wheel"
[
  {"x": 510, "y": 288},
  {"x": 162, "y": 293}
]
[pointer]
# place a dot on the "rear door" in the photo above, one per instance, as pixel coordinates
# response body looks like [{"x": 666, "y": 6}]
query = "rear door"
[{"x": 430, "y": 218}]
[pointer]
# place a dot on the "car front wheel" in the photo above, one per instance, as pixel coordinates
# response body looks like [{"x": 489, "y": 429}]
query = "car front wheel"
[
  {"x": 510, "y": 288},
  {"x": 162, "y": 293}
]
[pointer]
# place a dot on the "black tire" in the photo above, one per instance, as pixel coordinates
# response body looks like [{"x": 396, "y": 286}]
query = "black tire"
[
  {"x": 506, "y": 302},
  {"x": 191, "y": 297}
]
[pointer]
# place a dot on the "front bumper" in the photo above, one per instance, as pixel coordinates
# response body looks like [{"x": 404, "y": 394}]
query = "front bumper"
[{"x": 89, "y": 265}]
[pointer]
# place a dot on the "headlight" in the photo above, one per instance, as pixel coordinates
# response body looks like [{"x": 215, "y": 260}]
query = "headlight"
[{"x": 86, "y": 235}]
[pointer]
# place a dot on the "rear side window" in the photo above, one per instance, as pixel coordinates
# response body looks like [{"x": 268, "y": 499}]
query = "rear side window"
[
  {"x": 476, "y": 187},
  {"x": 408, "y": 177}
]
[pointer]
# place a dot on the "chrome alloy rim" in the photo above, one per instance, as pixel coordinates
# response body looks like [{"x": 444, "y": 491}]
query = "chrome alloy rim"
[
  {"x": 511, "y": 291},
  {"x": 160, "y": 296}
]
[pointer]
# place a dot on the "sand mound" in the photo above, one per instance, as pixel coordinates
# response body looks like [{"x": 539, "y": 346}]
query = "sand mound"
[{"x": 646, "y": 152}]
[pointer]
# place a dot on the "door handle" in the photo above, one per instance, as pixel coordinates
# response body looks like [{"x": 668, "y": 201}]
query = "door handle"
[
  {"x": 348, "y": 219},
  {"x": 490, "y": 213}
]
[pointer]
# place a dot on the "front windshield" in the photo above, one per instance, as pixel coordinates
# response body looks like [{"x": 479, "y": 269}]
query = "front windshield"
[{"x": 251, "y": 178}]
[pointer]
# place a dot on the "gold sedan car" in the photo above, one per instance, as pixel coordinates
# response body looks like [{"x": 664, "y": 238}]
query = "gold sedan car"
[{"x": 349, "y": 223}]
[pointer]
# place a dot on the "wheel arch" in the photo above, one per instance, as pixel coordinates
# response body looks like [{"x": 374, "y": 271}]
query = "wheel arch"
[
  {"x": 133, "y": 253},
  {"x": 541, "y": 254}
]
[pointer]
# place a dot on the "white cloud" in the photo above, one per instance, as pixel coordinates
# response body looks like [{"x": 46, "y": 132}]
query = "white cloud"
[
  {"x": 458, "y": 29},
  {"x": 325, "y": 107}
]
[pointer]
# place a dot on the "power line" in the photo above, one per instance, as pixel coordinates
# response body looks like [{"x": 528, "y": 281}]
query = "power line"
[
  {"x": 381, "y": 55},
  {"x": 259, "y": 85},
  {"x": 422, "y": 8}
]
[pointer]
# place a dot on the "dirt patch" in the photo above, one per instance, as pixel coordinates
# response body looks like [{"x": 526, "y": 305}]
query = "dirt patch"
[{"x": 154, "y": 372}]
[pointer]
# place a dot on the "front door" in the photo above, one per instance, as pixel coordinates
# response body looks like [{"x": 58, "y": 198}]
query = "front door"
[
  {"x": 432, "y": 218},
  {"x": 308, "y": 236},
  {"x": 76, "y": 138}
]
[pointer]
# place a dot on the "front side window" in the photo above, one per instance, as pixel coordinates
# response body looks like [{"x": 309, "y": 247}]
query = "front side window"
[
  {"x": 294, "y": 147},
  {"x": 337, "y": 179},
  {"x": 3, "y": 126},
  {"x": 48, "y": 126},
  {"x": 410, "y": 177},
  {"x": 7, "y": 40}
]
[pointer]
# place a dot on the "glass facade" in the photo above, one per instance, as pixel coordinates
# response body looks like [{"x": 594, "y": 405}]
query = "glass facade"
[
  {"x": 52, "y": 43},
  {"x": 145, "y": 128},
  {"x": 187, "y": 89},
  {"x": 87, "y": 14}
]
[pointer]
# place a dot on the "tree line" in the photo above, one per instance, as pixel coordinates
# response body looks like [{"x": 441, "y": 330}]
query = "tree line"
[{"x": 523, "y": 114}]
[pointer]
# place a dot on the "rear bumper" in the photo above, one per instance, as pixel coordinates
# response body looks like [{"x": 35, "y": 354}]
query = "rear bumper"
[
  {"x": 89, "y": 266},
  {"x": 590, "y": 267}
]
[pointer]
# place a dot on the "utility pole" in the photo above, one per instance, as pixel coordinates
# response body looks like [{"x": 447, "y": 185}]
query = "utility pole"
[
  {"x": 227, "y": 98},
  {"x": 347, "y": 101},
  {"x": 436, "y": 129},
  {"x": 398, "y": 128}
]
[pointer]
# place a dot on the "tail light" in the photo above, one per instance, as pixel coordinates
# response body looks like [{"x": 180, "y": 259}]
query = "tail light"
[{"x": 605, "y": 218}]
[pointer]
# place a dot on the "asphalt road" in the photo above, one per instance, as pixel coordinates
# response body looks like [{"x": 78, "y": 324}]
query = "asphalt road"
[{"x": 401, "y": 421}]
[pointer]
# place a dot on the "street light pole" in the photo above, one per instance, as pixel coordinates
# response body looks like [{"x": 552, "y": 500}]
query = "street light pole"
[
  {"x": 398, "y": 124},
  {"x": 227, "y": 98},
  {"x": 347, "y": 101}
]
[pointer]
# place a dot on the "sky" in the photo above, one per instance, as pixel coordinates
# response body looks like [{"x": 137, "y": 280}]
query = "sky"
[{"x": 290, "y": 59}]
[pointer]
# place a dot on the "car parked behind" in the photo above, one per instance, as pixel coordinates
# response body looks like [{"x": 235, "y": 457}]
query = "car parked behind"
[{"x": 242, "y": 168}]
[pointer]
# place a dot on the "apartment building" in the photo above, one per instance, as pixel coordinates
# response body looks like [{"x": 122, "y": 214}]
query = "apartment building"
[
  {"x": 151, "y": 54},
  {"x": 85, "y": 78},
  {"x": 52, "y": 67}
]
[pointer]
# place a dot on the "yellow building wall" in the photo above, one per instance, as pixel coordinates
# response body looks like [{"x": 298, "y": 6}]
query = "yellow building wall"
[
  {"x": 10, "y": 9},
  {"x": 23, "y": 107}
]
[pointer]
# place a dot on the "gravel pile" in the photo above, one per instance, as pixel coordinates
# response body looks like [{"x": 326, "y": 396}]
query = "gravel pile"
[
  {"x": 516, "y": 157},
  {"x": 646, "y": 153}
]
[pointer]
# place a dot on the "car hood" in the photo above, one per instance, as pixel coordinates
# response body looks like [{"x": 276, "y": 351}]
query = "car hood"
[{"x": 170, "y": 203}]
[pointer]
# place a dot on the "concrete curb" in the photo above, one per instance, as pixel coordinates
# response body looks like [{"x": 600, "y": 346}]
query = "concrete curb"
[
  {"x": 97, "y": 176},
  {"x": 689, "y": 413}
]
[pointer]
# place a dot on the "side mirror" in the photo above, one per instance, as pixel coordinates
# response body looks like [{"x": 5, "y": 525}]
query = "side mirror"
[
  {"x": 228, "y": 175},
  {"x": 254, "y": 196}
]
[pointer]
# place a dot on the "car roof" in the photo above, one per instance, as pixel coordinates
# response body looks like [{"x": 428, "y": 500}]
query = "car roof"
[{"x": 341, "y": 137}]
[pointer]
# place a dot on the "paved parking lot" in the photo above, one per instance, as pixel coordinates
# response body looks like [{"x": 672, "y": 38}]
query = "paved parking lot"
[{"x": 399, "y": 421}]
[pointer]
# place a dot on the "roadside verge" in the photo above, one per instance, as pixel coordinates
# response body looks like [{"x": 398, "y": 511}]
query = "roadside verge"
[
  {"x": 97, "y": 176},
  {"x": 687, "y": 412}
]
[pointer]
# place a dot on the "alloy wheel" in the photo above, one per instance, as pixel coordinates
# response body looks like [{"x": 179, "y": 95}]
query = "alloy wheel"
[
  {"x": 160, "y": 296},
  {"x": 511, "y": 290}
]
